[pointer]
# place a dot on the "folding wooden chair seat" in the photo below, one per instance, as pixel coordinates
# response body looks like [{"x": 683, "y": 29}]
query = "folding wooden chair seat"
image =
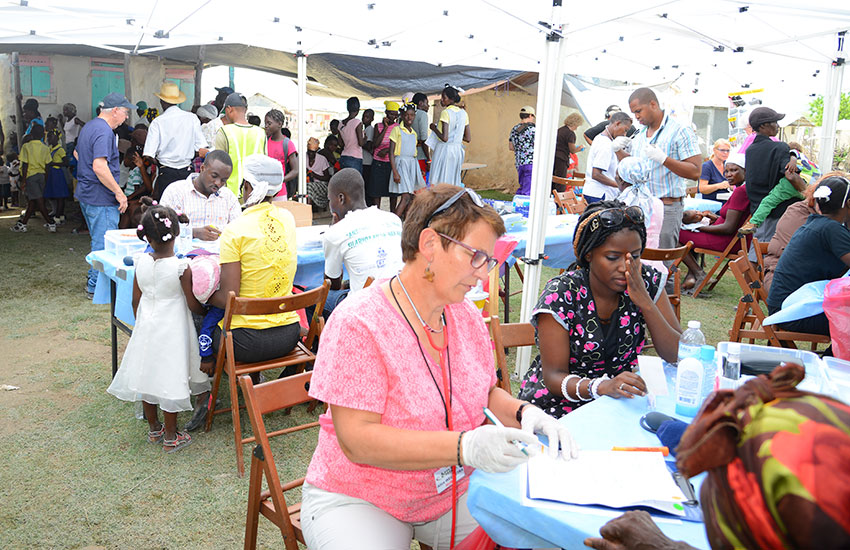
[
  {"x": 299, "y": 357},
  {"x": 738, "y": 244},
  {"x": 509, "y": 335},
  {"x": 752, "y": 307},
  {"x": 259, "y": 400},
  {"x": 676, "y": 255}
]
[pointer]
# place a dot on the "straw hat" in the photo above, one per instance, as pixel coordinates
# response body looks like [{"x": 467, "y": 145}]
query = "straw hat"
[{"x": 170, "y": 93}]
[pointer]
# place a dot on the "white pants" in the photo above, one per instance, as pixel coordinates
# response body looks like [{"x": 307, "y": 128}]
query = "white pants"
[{"x": 332, "y": 521}]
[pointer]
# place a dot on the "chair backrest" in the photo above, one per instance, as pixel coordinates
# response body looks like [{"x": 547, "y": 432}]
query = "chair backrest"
[
  {"x": 760, "y": 249},
  {"x": 675, "y": 255},
  {"x": 566, "y": 202},
  {"x": 237, "y": 305},
  {"x": 262, "y": 399},
  {"x": 509, "y": 335},
  {"x": 753, "y": 298},
  {"x": 303, "y": 213}
]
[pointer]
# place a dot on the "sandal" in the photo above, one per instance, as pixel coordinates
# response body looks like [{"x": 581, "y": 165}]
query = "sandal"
[
  {"x": 155, "y": 436},
  {"x": 182, "y": 439}
]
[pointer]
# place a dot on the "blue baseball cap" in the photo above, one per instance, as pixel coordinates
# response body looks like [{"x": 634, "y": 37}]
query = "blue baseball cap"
[{"x": 114, "y": 100}]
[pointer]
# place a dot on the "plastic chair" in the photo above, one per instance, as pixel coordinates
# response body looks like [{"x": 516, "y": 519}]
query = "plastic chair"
[
  {"x": 676, "y": 255},
  {"x": 259, "y": 400},
  {"x": 299, "y": 357},
  {"x": 749, "y": 318}
]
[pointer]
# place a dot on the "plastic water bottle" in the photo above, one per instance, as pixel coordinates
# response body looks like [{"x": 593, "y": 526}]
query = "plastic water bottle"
[
  {"x": 691, "y": 341},
  {"x": 689, "y": 375},
  {"x": 731, "y": 374},
  {"x": 706, "y": 355},
  {"x": 185, "y": 242}
]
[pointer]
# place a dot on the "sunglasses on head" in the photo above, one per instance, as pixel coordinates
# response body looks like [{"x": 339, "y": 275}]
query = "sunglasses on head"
[
  {"x": 476, "y": 199},
  {"x": 616, "y": 216},
  {"x": 479, "y": 257}
]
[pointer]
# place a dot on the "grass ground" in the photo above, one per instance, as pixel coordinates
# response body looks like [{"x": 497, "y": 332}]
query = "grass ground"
[{"x": 77, "y": 471}]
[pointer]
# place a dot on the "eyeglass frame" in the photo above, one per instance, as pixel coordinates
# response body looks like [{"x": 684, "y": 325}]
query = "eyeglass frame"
[
  {"x": 489, "y": 260},
  {"x": 476, "y": 199}
]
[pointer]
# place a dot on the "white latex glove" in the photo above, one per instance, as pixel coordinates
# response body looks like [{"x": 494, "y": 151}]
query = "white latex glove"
[
  {"x": 535, "y": 420},
  {"x": 655, "y": 154},
  {"x": 490, "y": 448},
  {"x": 621, "y": 143}
]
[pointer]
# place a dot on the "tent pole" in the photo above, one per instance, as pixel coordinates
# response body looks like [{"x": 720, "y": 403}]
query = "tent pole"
[
  {"x": 199, "y": 69},
  {"x": 19, "y": 113},
  {"x": 549, "y": 90},
  {"x": 301, "y": 59},
  {"x": 831, "y": 102},
  {"x": 128, "y": 84}
]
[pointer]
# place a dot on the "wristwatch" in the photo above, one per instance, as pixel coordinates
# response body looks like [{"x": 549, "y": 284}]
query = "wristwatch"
[{"x": 519, "y": 411}]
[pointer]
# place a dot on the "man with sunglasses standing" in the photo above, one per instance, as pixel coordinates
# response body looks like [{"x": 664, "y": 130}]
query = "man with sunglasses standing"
[
  {"x": 366, "y": 241},
  {"x": 674, "y": 150}
]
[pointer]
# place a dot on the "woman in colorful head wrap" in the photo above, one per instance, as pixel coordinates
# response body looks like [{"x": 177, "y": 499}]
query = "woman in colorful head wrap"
[
  {"x": 452, "y": 131},
  {"x": 591, "y": 322},
  {"x": 778, "y": 463}
]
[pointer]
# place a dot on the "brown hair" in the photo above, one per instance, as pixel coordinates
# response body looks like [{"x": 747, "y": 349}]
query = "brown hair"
[
  {"x": 454, "y": 222},
  {"x": 574, "y": 119}
]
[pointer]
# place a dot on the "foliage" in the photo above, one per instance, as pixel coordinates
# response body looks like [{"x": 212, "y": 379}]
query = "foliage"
[{"x": 816, "y": 109}]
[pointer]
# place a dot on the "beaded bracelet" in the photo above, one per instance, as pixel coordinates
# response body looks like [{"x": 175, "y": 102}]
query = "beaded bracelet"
[
  {"x": 578, "y": 389},
  {"x": 564, "y": 391},
  {"x": 594, "y": 386},
  {"x": 458, "y": 447}
]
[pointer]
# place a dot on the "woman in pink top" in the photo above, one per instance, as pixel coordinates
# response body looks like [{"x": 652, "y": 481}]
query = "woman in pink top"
[
  {"x": 351, "y": 137},
  {"x": 406, "y": 367},
  {"x": 282, "y": 148}
]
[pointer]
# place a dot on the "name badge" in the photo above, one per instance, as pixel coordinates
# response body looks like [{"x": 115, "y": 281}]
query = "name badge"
[{"x": 443, "y": 477}]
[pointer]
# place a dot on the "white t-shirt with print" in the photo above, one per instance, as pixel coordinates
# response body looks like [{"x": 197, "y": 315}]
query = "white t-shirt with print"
[
  {"x": 367, "y": 242},
  {"x": 602, "y": 157}
]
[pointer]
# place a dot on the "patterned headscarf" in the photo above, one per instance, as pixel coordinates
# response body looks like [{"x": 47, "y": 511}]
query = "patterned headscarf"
[
  {"x": 636, "y": 171},
  {"x": 778, "y": 462}
]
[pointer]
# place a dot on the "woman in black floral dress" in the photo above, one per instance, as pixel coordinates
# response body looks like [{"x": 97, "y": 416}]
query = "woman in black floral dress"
[{"x": 591, "y": 322}]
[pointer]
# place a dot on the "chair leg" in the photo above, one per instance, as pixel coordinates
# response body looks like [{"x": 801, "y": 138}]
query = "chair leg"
[
  {"x": 237, "y": 428},
  {"x": 255, "y": 488},
  {"x": 219, "y": 368},
  {"x": 708, "y": 277},
  {"x": 719, "y": 275}
]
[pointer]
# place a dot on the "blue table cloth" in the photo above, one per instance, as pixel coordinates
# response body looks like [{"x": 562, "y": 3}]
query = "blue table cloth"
[
  {"x": 310, "y": 274},
  {"x": 693, "y": 203},
  {"x": 558, "y": 245},
  {"x": 495, "y": 500}
]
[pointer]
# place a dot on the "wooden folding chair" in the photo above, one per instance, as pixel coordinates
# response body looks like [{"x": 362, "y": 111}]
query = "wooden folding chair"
[
  {"x": 259, "y": 400},
  {"x": 567, "y": 202},
  {"x": 568, "y": 183},
  {"x": 299, "y": 357},
  {"x": 676, "y": 255},
  {"x": 509, "y": 335},
  {"x": 749, "y": 318},
  {"x": 724, "y": 257},
  {"x": 760, "y": 249}
]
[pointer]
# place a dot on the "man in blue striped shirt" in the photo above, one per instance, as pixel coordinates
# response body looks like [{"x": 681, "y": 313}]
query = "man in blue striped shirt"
[{"x": 674, "y": 150}]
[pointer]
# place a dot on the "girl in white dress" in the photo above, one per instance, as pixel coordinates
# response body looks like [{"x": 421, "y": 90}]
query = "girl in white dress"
[
  {"x": 407, "y": 177},
  {"x": 161, "y": 365},
  {"x": 451, "y": 133}
]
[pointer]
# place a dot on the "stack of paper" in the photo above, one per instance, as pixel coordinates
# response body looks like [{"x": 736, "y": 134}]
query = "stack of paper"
[{"x": 608, "y": 478}]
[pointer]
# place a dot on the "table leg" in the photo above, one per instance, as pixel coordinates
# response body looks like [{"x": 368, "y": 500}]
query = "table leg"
[{"x": 114, "y": 325}]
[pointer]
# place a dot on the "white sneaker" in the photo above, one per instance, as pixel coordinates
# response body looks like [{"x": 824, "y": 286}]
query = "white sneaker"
[
  {"x": 51, "y": 228},
  {"x": 19, "y": 228}
]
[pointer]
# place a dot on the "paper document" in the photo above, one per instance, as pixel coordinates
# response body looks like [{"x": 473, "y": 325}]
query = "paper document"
[
  {"x": 651, "y": 369},
  {"x": 432, "y": 140},
  {"x": 625, "y": 479}
]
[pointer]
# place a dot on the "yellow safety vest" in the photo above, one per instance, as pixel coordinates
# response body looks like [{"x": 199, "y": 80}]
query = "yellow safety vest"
[{"x": 242, "y": 141}]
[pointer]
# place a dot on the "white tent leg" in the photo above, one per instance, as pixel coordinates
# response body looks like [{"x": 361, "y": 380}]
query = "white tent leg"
[
  {"x": 831, "y": 102},
  {"x": 302, "y": 122},
  {"x": 551, "y": 83}
]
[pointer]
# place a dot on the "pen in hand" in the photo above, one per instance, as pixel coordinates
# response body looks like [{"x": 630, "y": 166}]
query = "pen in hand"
[{"x": 492, "y": 418}]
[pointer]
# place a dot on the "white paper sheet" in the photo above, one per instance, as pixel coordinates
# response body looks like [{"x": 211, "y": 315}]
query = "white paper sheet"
[
  {"x": 630, "y": 479},
  {"x": 651, "y": 369}
]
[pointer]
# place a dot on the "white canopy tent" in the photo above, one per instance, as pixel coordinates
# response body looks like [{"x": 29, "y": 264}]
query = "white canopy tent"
[{"x": 787, "y": 48}]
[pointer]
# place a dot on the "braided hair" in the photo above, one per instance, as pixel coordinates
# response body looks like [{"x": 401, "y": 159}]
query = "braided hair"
[
  {"x": 591, "y": 233},
  {"x": 159, "y": 223},
  {"x": 452, "y": 93},
  {"x": 407, "y": 107},
  {"x": 277, "y": 116}
]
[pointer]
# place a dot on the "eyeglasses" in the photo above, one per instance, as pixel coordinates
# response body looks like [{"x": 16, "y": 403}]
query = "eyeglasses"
[
  {"x": 479, "y": 257},
  {"x": 615, "y": 216},
  {"x": 723, "y": 150},
  {"x": 476, "y": 199}
]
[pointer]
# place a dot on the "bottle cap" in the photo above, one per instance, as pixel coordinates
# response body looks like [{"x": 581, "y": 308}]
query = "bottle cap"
[
  {"x": 706, "y": 353},
  {"x": 694, "y": 324}
]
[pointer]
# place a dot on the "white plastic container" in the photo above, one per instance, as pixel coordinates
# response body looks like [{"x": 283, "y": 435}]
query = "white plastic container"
[
  {"x": 815, "y": 380},
  {"x": 123, "y": 242},
  {"x": 691, "y": 341},
  {"x": 689, "y": 375}
]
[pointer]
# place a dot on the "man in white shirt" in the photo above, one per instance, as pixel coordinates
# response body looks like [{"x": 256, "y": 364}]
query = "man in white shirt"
[
  {"x": 366, "y": 241},
  {"x": 602, "y": 160},
  {"x": 174, "y": 139},
  {"x": 205, "y": 198}
]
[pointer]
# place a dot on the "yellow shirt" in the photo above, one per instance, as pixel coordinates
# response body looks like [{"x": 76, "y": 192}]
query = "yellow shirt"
[
  {"x": 262, "y": 239},
  {"x": 395, "y": 137},
  {"x": 36, "y": 155}
]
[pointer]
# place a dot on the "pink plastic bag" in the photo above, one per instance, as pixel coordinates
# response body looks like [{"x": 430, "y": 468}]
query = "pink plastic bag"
[{"x": 836, "y": 305}]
